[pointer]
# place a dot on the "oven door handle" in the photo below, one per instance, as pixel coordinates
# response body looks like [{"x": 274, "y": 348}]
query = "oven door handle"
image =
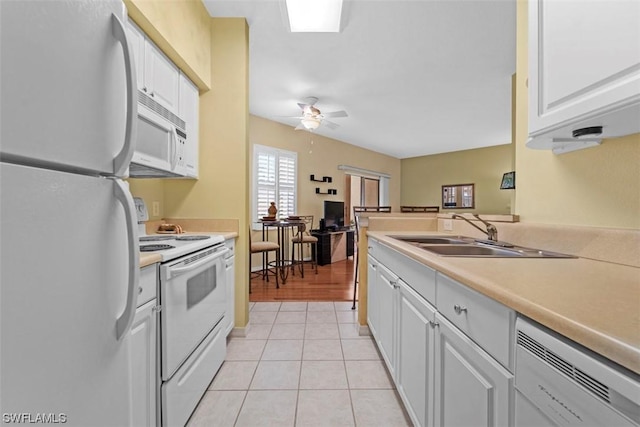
[{"x": 176, "y": 271}]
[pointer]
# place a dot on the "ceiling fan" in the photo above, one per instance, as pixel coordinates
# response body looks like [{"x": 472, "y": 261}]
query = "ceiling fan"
[{"x": 312, "y": 117}]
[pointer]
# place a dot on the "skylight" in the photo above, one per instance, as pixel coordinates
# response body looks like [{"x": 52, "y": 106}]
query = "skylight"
[{"x": 315, "y": 16}]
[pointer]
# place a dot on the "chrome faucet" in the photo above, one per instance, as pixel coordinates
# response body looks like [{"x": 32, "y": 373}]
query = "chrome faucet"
[{"x": 491, "y": 231}]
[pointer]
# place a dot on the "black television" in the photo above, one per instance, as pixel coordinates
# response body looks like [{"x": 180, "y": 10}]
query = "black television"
[{"x": 333, "y": 214}]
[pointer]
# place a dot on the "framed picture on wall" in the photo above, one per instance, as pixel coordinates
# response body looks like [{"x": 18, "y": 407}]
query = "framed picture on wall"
[{"x": 508, "y": 181}]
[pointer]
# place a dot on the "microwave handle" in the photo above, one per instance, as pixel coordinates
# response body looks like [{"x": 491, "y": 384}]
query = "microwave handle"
[
  {"x": 122, "y": 160},
  {"x": 121, "y": 192},
  {"x": 174, "y": 156}
]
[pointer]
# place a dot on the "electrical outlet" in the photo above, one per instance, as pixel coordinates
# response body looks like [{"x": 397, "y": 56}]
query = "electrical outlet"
[
  {"x": 448, "y": 224},
  {"x": 155, "y": 207}
]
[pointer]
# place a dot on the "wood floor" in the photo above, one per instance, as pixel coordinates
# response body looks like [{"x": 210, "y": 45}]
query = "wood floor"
[{"x": 334, "y": 282}]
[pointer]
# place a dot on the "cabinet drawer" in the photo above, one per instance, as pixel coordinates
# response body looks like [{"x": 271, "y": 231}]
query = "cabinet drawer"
[
  {"x": 147, "y": 285},
  {"x": 418, "y": 276},
  {"x": 487, "y": 322}
]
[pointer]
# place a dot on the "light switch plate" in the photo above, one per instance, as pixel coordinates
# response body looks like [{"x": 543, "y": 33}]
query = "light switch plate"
[
  {"x": 448, "y": 224},
  {"x": 156, "y": 208}
]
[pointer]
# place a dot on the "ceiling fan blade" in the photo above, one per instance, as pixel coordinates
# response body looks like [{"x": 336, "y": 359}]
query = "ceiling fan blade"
[
  {"x": 289, "y": 117},
  {"x": 341, "y": 113},
  {"x": 330, "y": 125}
]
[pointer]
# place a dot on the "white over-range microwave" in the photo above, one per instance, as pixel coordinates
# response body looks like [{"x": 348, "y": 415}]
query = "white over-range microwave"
[{"x": 161, "y": 142}]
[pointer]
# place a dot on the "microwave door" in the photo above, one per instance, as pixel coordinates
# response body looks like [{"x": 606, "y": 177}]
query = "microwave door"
[{"x": 156, "y": 144}]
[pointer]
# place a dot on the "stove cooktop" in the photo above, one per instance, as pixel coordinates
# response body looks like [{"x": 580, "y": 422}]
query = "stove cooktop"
[
  {"x": 153, "y": 248},
  {"x": 177, "y": 245}
]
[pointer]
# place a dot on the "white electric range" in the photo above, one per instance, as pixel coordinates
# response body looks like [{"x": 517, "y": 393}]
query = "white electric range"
[{"x": 193, "y": 301}]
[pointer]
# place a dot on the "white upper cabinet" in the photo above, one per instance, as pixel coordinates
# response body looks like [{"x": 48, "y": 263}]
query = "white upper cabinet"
[
  {"x": 584, "y": 70},
  {"x": 137, "y": 40},
  {"x": 161, "y": 77},
  {"x": 189, "y": 112},
  {"x": 157, "y": 76}
]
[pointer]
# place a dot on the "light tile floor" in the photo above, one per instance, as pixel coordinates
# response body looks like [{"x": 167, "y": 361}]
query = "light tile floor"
[{"x": 301, "y": 364}]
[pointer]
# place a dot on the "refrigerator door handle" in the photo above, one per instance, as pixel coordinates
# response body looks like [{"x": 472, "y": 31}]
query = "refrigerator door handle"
[
  {"x": 122, "y": 160},
  {"x": 124, "y": 321}
]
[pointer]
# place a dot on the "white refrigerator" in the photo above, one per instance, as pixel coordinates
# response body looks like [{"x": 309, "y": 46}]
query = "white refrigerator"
[{"x": 68, "y": 234}]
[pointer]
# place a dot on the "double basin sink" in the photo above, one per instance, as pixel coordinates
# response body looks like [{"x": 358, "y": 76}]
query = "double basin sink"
[{"x": 462, "y": 246}]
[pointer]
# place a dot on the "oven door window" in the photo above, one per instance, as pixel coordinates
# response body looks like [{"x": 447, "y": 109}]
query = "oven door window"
[{"x": 200, "y": 286}]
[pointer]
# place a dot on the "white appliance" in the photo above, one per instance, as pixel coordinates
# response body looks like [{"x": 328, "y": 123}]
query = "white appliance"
[
  {"x": 193, "y": 304},
  {"x": 560, "y": 384},
  {"x": 69, "y": 244},
  {"x": 161, "y": 141}
]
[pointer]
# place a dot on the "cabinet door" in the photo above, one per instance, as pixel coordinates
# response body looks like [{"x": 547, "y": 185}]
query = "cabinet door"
[
  {"x": 231, "y": 290},
  {"x": 416, "y": 352},
  {"x": 161, "y": 77},
  {"x": 472, "y": 389},
  {"x": 189, "y": 111},
  {"x": 387, "y": 301},
  {"x": 584, "y": 63},
  {"x": 143, "y": 365},
  {"x": 372, "y": 296},
  {"x": 137, "y": 41}
]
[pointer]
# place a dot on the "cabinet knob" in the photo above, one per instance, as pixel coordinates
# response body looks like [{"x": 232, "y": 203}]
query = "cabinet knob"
[
  {"x": 140, "y": 289},
  {"x": 152, "y": 94},
  {"x": 144, "y": 89},
  {"x": 369, "y": 247},
  {"x": 459, "y": 309},
  {"x": 433, "y": 324}
]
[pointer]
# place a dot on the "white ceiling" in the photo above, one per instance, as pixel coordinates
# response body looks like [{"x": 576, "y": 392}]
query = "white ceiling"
[{"x": 416, "y": 77}]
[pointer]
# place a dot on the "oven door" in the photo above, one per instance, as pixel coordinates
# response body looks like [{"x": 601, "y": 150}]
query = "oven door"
[{"x": 193, "y": 298}]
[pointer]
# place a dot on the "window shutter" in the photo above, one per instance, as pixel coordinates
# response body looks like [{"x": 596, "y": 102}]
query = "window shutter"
[
  {"x": 287, "y": 185},
  {"x": 275, "y": 173}
]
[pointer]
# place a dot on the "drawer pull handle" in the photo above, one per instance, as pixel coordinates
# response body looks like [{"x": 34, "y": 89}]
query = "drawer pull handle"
[
  {"x": 433, "y": 324},
  {"x": 394, "y": 284},
  {"x": 157, "y": 308},
  {"x": 459, "y": 309}
]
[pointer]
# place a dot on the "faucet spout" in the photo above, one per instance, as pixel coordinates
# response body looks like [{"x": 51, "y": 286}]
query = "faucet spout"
[{"x": 491, "y": 231}]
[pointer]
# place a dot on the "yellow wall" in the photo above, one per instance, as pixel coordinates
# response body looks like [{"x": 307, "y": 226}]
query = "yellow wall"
[
  {"x": 180, "y": 28},
  {"x": 322, "y": 159},
  {"x": 423, "y": 177},
  {"x": 597, "y": 186}
]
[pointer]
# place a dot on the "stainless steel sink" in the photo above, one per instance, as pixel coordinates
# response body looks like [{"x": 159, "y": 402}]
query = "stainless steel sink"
[
  {"x": 462, "y": 246},
  {"x": 471, "y": 250},
  {"x": 482, "y": 250},
  {"x": 437, "y": 240}
]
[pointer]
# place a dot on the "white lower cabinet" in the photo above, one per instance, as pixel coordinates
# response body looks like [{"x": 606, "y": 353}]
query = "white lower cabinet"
[
  {"x": 372, "y": 295},
  {"x": 472, "y": 389},
  {"x": 387, "y": 285},
  {"x": 144, "y": 355},
  {"x": 442, "y": 375},
  {"x": 416, "y": 350},
  {"x": 229, "y": 264}
]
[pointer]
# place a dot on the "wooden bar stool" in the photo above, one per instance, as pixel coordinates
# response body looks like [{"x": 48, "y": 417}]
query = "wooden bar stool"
[
  {"x": 264, "y": 248},
  {"x": 304, "y": 237}
]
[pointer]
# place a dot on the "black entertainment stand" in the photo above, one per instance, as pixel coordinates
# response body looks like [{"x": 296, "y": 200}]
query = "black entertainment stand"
[{"x": 334, "y": 246}]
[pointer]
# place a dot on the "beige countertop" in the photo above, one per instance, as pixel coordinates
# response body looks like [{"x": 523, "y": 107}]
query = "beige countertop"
[{"x": 594, "y": 303}]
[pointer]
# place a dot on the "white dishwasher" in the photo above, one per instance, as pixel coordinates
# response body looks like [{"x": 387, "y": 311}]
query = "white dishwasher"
[{"x": 558, "y": 383}]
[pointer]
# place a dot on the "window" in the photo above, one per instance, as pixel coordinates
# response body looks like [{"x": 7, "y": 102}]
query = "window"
[{"x": 274, "y": 180}]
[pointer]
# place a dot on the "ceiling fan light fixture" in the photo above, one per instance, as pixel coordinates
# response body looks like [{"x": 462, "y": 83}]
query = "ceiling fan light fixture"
[
  {"x": 314, "y": 16},
  {"x": 310, "y": 123}
]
